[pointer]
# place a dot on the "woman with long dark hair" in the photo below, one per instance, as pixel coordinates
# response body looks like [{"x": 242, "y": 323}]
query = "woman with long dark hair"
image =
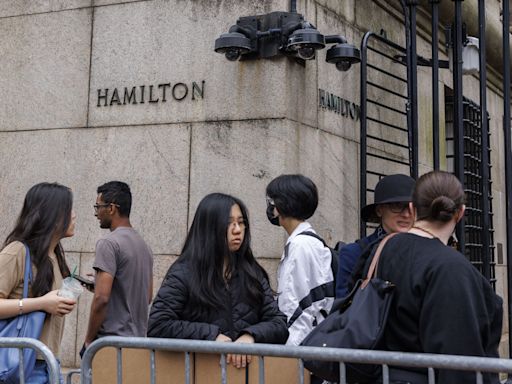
[
  {"x": 442, "y": 303},
  {"x": 46, "y": 217},
  {"x": 216, "y": 290}
]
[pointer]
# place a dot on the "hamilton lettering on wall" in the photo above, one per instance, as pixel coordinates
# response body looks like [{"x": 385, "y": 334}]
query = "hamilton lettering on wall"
[
  {"x": 142, "y": 94},
  {"x": 339, "y": 105}
]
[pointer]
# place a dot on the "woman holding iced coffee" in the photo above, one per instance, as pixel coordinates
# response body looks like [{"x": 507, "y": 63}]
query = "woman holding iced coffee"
[{"x": 46, "y": 217}]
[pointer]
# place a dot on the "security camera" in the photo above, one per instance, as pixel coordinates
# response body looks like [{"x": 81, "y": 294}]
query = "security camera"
[
  {"x": 233, "y": 45},
  {"x": 305, "y": 42},
  {"x": 343, "y": 55},
  {"x": 233, "y": 54},
  {"x": 343, "y": 65},
  {"x": 306, "y": 52}
]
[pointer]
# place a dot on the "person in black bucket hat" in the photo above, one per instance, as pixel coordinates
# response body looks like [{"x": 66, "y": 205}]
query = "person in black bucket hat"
[{"x": 390, "y": 210}]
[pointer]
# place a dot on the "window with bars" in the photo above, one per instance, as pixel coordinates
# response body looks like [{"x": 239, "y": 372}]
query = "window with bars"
[{"x": 473, "y": 185}]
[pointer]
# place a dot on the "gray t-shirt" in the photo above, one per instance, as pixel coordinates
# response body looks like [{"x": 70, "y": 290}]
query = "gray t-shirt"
[{"x": 124, "y": 255}]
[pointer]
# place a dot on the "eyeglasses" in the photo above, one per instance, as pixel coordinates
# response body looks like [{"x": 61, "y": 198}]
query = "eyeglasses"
[
  {"x": 98, "y": 206},
  {"x": 241, "y": 224},
  {"x": 398, "y": 207}
]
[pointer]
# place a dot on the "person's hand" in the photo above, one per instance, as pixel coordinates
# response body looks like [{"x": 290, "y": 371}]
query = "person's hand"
[
  {"x": 92, "y": 278},
  {"x": 57, "y": 305},
  {"x": 241, "y": 361},
  {"x": 224, "y": 338},
  {"x": 87, "y": 283}
]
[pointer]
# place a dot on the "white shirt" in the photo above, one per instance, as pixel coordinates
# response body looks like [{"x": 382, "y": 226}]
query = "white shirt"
[{"x": 304, "y": 283}]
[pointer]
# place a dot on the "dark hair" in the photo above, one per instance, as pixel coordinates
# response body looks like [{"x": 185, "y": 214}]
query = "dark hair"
[
  {"x": 205, "y": 249},
  {"x": 118, "y": 193},
  {"x": 46, "y": 212},
  {"x": 294, "y": 196},
  {"x": 438, "y": 195}
]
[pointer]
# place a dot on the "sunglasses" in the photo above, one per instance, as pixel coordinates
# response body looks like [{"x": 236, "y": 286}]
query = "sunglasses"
[{"x": 398, "y": 207}]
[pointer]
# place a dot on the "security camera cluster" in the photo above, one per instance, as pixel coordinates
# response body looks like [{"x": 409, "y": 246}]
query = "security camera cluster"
[{"x": 283, "y": 33}]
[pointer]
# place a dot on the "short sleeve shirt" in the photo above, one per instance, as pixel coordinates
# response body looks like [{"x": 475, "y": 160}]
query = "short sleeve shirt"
[
  {"x": 125, "y": 256},
  {"x": 12, "y": 267}
]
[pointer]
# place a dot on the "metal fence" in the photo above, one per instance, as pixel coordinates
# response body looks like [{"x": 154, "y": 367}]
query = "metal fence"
[
  {"x": 70, "y": 374},
  {"x": 479, "y": 365},
  {"x": 22, "y": 342}
]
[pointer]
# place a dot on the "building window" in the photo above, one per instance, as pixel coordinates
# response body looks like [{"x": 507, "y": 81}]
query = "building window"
[{"x": 473, "y": 181}]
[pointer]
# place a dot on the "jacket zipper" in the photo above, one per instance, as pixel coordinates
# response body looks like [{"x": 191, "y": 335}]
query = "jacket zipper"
[{"x": 231, "y": 325}]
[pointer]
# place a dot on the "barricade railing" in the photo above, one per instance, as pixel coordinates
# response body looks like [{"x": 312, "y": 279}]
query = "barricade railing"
[
  {"x": 479, "y": 365},
  {"x": 70, "y": 374},
  {"x": 21, "y": 343}
]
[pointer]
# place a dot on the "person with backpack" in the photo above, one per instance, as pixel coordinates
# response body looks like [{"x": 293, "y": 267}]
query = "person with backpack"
[
  {"x": 391, "y": 211},
  {"x": 305, "y": 281}
]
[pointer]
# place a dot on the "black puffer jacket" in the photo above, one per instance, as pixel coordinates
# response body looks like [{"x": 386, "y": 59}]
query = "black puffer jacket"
[{"x": 170, "y": 317}]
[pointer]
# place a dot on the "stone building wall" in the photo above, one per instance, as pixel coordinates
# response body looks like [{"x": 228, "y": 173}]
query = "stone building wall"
[{"x": 95, "y": 90}]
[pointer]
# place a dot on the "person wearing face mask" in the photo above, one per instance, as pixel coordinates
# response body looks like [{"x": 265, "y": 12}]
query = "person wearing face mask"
[
  {"x": 390, "y": 210},
  {"x": 305, "y": 281}
]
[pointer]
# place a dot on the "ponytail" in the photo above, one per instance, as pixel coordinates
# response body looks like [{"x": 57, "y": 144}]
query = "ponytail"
[{"x": 438, "y": 196}]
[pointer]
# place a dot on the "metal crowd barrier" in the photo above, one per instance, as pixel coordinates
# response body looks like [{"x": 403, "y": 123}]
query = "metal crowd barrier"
[
  {"x": 384, "y": 358},
  {"x": 40, "y": 348},
  {"x": 70, "y": 374}
]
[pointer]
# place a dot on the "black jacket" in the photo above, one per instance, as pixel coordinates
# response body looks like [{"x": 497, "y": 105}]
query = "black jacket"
[
  {"x": 170, "y": 317},
  {"x": 442, "y": 304}
]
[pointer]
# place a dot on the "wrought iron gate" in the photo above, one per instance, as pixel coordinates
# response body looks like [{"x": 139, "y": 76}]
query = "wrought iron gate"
[{"x": 386, "y": 138}]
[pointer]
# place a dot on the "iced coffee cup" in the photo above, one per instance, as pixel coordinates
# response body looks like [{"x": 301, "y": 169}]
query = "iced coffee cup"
[{"x": 71, "y": 288}]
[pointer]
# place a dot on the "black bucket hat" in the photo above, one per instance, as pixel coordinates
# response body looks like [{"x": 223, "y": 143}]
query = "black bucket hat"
[{"x": 390, "y": 189}]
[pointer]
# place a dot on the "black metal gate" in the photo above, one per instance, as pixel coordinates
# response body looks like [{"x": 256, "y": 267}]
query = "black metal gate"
[
  {"x": 478, "y": 242},
  {"x": 386, "y": 138},
  {"x": 386, "y": 144}
]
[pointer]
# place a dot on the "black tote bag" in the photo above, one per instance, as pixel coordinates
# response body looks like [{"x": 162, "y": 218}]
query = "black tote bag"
[{"x": 356, "y": 321}]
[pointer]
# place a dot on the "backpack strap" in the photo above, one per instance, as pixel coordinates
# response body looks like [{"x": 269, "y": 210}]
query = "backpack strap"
[
  {"x": 313, "y": 234},
  {"x": 28, "y": 272},
  {"x": 26, "y": 279},
  {"x": 334, "y": 253}
]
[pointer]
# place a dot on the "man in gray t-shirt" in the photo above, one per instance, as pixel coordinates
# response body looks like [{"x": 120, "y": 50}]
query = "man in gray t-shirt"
[{"x": 124, "y": 269}]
